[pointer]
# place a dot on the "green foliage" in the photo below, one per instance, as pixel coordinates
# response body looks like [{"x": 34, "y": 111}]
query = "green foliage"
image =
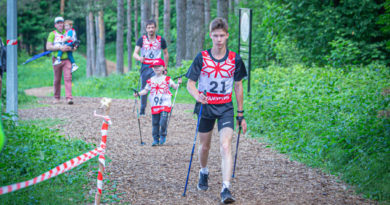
[
  {"x": 343, "y": 52},
  {"x": 327, "y": 117},
  {"x": 384, "y": 20},
  {"x": 32, "y": 150}
]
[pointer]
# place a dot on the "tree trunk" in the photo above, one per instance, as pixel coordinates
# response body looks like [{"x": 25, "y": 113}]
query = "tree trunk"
[
  {"x": 167, "y": 20},
  {"x": 195, "y": 36},
  {"x": 128, "y": 37},
  {"x": 181, "y": 31},
  {"x": 231, "y": 6},
  {"x": 135, "y": 20},
  {"x": 119, "y": 37},
  {"x": 207, "y": 14},
  {"x": 223, "y": 9},
  {"x": 62, "y": 9},
  {"x": 97, "y": 64},
  {"x": 155, "y": 13},
  {"x": 102, "y": 38},
  {"x": 101, "y": 66},
  {"x": 91, "y": 38},
  {"x": 89, "y": 59},
  {"x": 145, "y": 14}
]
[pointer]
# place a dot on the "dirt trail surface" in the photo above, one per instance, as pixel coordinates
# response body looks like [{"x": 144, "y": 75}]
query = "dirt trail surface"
[{"x": 156, "y": 175}]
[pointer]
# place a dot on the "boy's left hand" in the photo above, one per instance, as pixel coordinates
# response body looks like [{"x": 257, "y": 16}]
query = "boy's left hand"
[{"x": 179, "y": 81}]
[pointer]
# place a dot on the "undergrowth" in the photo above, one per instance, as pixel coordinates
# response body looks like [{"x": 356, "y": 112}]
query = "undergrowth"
[{"x": 328, "y": 118}]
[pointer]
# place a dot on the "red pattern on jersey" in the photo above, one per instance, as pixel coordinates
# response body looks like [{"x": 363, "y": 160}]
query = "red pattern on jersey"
[
  {"x": 148, "y": 45},
  {"x": 221, "y": 69},
  {"x": 159, "y": 88}
]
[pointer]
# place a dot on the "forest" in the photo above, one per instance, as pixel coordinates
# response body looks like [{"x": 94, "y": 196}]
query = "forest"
[{"x": 320, "y": 80}]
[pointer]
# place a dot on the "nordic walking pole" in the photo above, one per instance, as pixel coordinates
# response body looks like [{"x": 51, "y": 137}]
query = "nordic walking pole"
[
  {"x": 139, "y": 123},
  {"x": 238, "y": 141},
  {"x": 139, "y": 79},
  {"x": 174, "y": 100},
  {"x": 193, "y": 146}
]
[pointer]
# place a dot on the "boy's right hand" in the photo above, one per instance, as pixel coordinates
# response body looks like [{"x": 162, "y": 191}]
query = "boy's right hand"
[
  {"x": 136, "y": 95},
  {"x": 202, "y": 98}
]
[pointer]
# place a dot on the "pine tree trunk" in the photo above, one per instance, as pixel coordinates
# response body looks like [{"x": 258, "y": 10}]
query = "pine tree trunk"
[
  {"x": 62, "y": 9},
  {"x": 97, "y": 64},
  {"x": 92, "y": 48},
  {"x": 156, "y": 14},
  {"x": 231, "y": 6},
  {"x": 223, "y": 9},
  {"x": 135, "y": 20},
  {"x": 181, "y": 31},
  {"x": 128, "y": 38},
  {"x": 194, "y": 35},
  {"x": 145, "y": 14},
  {"x": 119, "y": 37},
  {"x": 207, "y": 14},
  {"x": 102, "y": 41},
  {"x": 167, "y": 20},
  {"x": 89, "y": 59}
]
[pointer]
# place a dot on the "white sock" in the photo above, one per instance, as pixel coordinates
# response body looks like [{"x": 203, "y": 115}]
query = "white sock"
[
  {"x": 225, "y": 184},
  {"x": 204, "y": 170}
]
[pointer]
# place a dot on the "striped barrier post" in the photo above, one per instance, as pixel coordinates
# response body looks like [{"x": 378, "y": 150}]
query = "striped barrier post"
[
  {"x": 102, "y": 159},
  {"x": 105, "y": 103}
]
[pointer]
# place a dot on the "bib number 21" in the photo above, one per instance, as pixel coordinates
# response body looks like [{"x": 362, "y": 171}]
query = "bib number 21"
[{"x": 215, "y": 87}]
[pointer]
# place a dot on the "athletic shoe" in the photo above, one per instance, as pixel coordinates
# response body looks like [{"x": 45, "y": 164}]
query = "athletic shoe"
[
  {"x": 70, "y": 101},
  {"x": 142, "y": 112},
  {"x": 226, "y": 196},
  {"x": 74, "y": 67},
  {"x": 203, "y": 181},
  {"x": 163, "y": 139},
  {"x": 57, "y": 61},
  {"x": 155, "y": 141}
]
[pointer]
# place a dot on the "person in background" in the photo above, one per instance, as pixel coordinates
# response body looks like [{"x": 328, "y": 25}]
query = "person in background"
[
  {"x": 69, "y": 40},
  {"x": 55, "y": 44},
  {"x": 150, "y": 46}
]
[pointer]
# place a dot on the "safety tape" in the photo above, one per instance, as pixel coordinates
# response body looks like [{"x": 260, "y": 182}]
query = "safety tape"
[
  {"x": 102, "y": 159},
  {"x": 53, "y": 172},
  {"x": 12, "y": 42}
]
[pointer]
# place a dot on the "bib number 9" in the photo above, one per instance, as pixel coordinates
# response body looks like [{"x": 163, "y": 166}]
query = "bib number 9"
[
  {"x": 215, "y": 86},
  {"x": 157, "y": 101}
]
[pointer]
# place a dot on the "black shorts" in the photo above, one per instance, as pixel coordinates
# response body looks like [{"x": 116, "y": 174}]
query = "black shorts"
[{"x": 224, "y": 113}]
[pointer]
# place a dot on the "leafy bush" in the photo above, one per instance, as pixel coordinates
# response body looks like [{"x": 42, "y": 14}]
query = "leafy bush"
[
  {"x": 343, "y": 52},
  {"x": 328, "y": 118}
]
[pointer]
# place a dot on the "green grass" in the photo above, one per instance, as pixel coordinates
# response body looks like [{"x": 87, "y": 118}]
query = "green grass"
[
  {"x": 31, "y": 150},
  {"x": 328, "y": 118}
]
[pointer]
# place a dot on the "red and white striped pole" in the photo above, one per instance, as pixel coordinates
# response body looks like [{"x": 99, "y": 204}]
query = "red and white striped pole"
[{"x": 102, "y": 159}]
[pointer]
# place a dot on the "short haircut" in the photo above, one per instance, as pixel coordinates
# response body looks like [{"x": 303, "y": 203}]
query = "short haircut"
[
  {"x": 70, "y": 22},
  {"x": 150, "y": 22},
  {"x": 219, "y": 23}
]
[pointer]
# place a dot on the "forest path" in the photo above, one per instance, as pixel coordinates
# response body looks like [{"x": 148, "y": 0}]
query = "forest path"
[{"x": 156, "y": 175}]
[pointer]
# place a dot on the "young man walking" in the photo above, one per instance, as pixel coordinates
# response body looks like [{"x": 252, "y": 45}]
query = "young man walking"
[
  {"x": 150, "y": 46},
  {"x": 216, "y": 70}
]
